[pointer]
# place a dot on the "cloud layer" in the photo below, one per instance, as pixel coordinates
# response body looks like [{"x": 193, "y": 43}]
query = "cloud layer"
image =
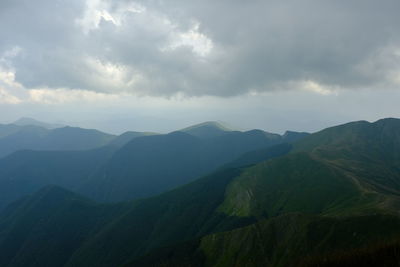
[{"x": 198, "y": 48}]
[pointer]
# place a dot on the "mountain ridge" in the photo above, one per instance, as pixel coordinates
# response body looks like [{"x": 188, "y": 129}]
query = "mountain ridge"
[{"x": 26, "y": 121}]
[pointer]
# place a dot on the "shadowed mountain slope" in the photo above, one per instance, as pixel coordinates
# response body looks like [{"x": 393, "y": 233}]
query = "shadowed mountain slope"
[
  {"x": 45, "y": 229},
  {"x": 146, "y": 165},
  {"x": 134, "y": 228},
  {"x": 24, "y": 172},
  {"x": 126, "y": 137},
  {"x": 153, "y": 164}
]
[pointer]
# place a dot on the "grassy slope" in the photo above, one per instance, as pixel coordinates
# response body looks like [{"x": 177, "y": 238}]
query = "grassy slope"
[
  {"x": 182, "y": 214},
  {"x": 282, "y": 241},
  {"x": 293, "y": 183},
  {"x": 379, "y": 254},
  {"x": 348, "y": 174}
]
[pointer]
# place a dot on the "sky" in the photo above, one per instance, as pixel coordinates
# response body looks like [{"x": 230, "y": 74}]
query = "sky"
[{"x": 161, "y": 65}]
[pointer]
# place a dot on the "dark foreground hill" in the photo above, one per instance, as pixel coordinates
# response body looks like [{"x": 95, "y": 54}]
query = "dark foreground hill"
[{"x": 336, "y": 191}]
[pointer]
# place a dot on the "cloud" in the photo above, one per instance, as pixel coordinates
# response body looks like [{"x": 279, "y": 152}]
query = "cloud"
[
  {"x": 7, "y": 98},
  {"x": 196, "y": 48}
]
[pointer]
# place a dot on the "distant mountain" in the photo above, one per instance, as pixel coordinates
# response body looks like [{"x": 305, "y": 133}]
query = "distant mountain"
[
  {"x": 24, "y": 121},
  {"x": 335, "y": 191},
  {"x": 8, "y": 129},
  {"x": 207, "y": 129},
  {"x": 126, "y": 137},
  {"x": 14, "y": 138},
  {"x": 145, "y": 166},
  {"x": 74, "y": 138},
  {"x": 150, "y": 165},
  {"x": 26, "y": 171}
]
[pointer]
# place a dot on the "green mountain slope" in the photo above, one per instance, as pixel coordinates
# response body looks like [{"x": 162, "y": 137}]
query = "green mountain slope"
[
  {"x": 292, "y": 239},
  {"x": 346, "y": 174},
  {"x": 352, "y": 168},
  {"x": 367, "y": 151},
  {"x": 287, "y": 239},
  {"x": 293, "y": 183}
]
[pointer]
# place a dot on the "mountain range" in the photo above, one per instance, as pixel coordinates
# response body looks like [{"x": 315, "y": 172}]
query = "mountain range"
[
  {"x": 129, "y": 166},
  {"x": 208, "y": 198}
]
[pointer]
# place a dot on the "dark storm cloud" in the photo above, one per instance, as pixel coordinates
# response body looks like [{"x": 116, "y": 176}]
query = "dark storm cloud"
[{"x": 204, "y": 47}]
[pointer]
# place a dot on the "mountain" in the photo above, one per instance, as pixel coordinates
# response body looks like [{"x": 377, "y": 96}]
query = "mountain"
[
  {"x": 134, "y": 229},
  {"x": 207, "y": 129},
  {"x": 368, "y": 151},
  {"x": 32, "y": 122},
  {"x": 8, "y": 129},
  {"x": 20, "y": 137},
  {"x": 14, "y": 138},
  {"x": 327, "y": 194},
  {"x": 126, "y": 137},
  {"x": 342, "y": 180},
  {"x": 112, "y": 234},
  {"x": 45, "y": 229},
  {"x": 150, "y": 165},
  {"x": 25, "y": 172},
  {"x": 74, "y": 138},
  {"x": 146, "y": 165},
  {"x": 291, "y": 136},
  {"x": 287, "y": 240}
]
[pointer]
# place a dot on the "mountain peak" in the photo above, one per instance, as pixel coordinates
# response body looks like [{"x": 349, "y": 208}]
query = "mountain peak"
[
  {"x": 26, "y": 121},
  {"x": 207, "y": 129}
]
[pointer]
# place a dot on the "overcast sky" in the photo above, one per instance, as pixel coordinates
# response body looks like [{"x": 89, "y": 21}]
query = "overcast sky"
[{"x": 164, "y": 64}]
